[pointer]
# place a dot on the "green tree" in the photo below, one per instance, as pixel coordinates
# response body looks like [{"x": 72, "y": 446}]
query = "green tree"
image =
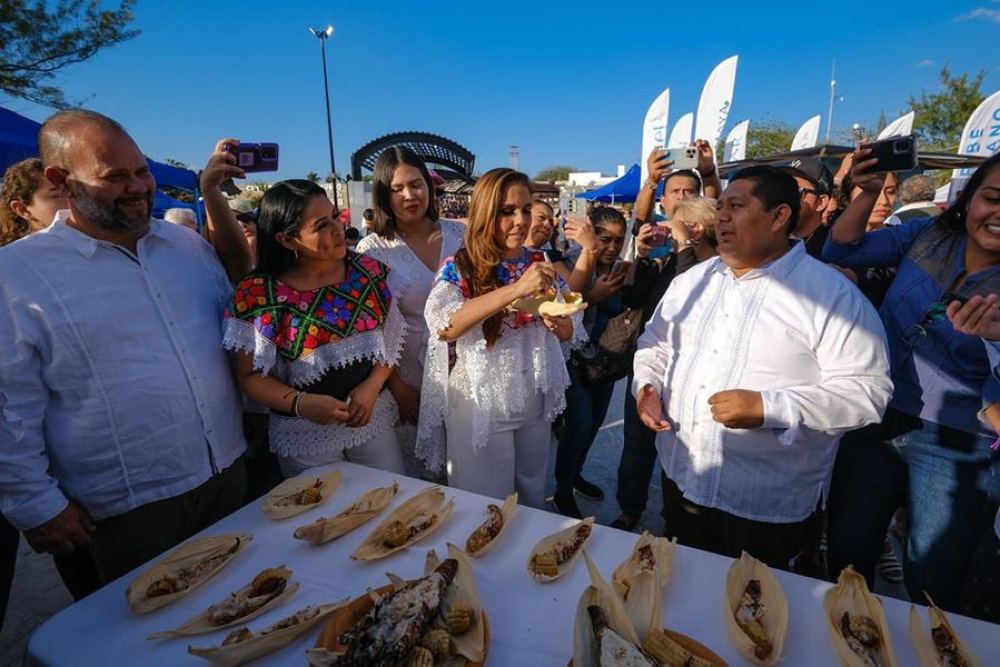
[
  {"x": 769, "y": 137},
  {"x": 313, "y": 177},
  {"x": 940, "y": 117},
  {"x": 38, "y": 38},
  {"x": 559, "y": 172}
]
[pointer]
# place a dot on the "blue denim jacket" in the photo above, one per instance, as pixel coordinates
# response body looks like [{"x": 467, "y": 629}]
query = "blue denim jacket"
[{"x": 943, "y": 376}]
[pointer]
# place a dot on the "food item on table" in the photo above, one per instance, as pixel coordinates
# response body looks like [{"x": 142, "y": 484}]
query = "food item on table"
[
  {"x": 268, "y": 589},
  {"x": 183, "y": 570},
  {"x": 942, "y": 647},
  {"x": 756, "y": 611},
  {"x": 857, "y": 623},
  {"x": 612, "y": 648},
  {"x": 668, "y": 652},
  {"x": 409, "y": 523},
  {"x": 243, "y": 645},
  {"x": 651, "y": 558},
  {"x": 488, "y": 533},
  {"x": 554, "y": 555},
  {"x": 437, "y": 619},
  {"x": 298, "y": 494},
  {"x": 363, "y": 509}
]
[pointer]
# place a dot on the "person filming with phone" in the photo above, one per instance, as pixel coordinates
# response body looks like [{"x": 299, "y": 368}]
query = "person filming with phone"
[{"x": 932, "y": 451}]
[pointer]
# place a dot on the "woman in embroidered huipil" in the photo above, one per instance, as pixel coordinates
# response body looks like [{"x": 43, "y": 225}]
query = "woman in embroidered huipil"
[
  {"x": 316, "y": 333},
  {"x": 412, "y": 240},
  {"x": 503, "y": 380}
]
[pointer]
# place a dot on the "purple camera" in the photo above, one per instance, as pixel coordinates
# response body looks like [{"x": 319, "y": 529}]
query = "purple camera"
[{"x": 254, "y": 157}]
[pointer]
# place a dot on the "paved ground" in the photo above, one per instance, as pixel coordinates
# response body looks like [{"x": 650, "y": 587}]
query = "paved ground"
[{"x": 38, "y": 593}]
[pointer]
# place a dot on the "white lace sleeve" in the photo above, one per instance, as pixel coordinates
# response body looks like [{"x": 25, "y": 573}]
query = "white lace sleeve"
[
  {"x": 393, "y": 334},
  {"x": 444, "y": 301},
  {"x": 240, "y": 336}
]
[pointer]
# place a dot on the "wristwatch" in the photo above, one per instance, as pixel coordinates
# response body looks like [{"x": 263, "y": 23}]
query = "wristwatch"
[
  {"x": 651, "y": 184},
  {"x": 687, "y": 243}
]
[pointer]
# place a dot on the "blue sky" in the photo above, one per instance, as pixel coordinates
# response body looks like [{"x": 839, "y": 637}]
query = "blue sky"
[{"x": 568, "y": 83}]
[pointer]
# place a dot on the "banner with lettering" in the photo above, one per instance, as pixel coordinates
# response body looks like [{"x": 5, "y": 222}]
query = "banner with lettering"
[
  {"x": 736, "y": 143},
  {"x": 981, "y": 136},
  {"x": 681, "y": 134},
  {"x": 807, "y": 135},
  {"x": 654, "y": 129},
  {"x": 716, "y": 101}
]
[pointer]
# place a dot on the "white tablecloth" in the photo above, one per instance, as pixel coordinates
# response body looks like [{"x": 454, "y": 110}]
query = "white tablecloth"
[{"x": 531, "y": 623}]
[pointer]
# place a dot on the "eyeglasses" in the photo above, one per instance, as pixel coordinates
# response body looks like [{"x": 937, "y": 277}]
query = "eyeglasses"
[
  {"x": 808, "y": 191},
  {"x": 936, "y": 312}
]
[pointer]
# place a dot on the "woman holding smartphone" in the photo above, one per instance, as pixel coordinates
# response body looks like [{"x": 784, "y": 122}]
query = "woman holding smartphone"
[
  {"x": 410, "y": 238},
  {"x": 587, "y": 404},
  {"x": 932, "y": 453},
  {"x": 316, "y": 332},
  {"x": 496, "y": 377}
]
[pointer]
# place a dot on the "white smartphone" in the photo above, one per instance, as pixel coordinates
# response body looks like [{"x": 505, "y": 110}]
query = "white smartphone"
[{"x": 684, "y": 157}]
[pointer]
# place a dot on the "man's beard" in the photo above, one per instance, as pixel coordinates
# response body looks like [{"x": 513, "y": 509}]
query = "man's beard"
[{"x": 108, "y": 218}]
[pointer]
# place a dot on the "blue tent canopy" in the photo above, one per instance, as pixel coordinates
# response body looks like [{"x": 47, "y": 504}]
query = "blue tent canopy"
[
  {"x": 19, "y": 141},
  {"x": 624, "y": 189}
]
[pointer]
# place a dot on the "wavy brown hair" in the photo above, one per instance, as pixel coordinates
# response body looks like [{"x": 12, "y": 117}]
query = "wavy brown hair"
[
  {"x": 20, "y": 183},
  {"x": 479, "y": 258}
]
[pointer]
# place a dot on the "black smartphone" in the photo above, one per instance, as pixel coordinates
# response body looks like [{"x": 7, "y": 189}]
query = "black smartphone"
[
  {"x": 951, "y": 296},
  {"x": 893, "y": 154},
  {"x": 254, "y": 157}
]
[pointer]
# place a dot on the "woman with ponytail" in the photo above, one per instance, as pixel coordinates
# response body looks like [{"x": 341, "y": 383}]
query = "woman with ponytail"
[{"x": 496, "y": 377}]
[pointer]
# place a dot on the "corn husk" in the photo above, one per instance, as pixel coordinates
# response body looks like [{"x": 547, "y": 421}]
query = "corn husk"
[
  {"x": 262, "y": 644},
  {"x": 470, "y": 645},
  {"x": 923, "y": 644},
  {"x": 329, "y": 482},
  {"x": 851, "y": 595},
  {"x": 429, "y": 501},
  {"x": 324, "y": 530},
  {"x": 640, "y": 586},
  {"x": 187, "y": 555},
  {"x": 547, "y": 305},
  {"x": 547, "y": 543},
  {"x": 774, "y": 621},
  {"x": 507, "y": 511},
  {"x": 202, "y": 623}
]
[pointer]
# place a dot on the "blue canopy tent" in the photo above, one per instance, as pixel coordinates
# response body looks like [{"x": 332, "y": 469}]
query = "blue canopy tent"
[
  {"x": 19, "y": 140},
  {"x": 624, "y": 189}
]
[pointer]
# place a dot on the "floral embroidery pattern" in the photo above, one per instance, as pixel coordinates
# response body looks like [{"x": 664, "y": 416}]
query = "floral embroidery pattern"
[
  {"x": 300, "y": 322},
  {"x": 509, "y": 271}
]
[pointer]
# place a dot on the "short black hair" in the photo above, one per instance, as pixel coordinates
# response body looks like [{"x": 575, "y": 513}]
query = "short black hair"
[
  {"x": 352, "y": 234},
  {"x": 280, "y": 212},
  {"x": 606, "y": 215},
  {"x": 686, "y": 173},
  {"x": 773, "y": 186}
]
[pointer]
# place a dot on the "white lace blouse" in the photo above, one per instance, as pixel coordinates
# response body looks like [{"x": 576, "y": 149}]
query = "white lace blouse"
[{"x": 527, "y": 360}]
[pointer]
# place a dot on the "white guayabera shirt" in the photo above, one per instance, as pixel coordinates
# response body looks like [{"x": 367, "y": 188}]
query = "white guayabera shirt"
[
  {"x": 795, "y": 330},
  {"x": 117, "y": 390}
]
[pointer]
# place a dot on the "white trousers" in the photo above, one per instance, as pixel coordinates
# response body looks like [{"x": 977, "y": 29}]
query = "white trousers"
[
  {"x": 515, "y": 457},
  {"x": 382, "y": 451}
]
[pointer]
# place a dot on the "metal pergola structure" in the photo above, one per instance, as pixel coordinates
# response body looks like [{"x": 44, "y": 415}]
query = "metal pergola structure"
[{"x": 447, "y": 157}]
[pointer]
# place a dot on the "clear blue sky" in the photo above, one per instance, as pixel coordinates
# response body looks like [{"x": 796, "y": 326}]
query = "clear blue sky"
[{"x": 569, "y": 83}]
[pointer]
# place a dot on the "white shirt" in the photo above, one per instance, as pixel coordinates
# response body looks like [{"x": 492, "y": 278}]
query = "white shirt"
[
  {"x": 798, "y": 332},
  {"x": 117, "y": 390}
]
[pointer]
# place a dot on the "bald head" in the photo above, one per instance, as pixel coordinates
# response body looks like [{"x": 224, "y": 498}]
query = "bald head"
[{"x": 57, "y": 134}]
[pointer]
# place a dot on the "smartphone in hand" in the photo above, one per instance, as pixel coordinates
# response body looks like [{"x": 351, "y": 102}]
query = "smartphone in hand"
[
  {"x": 660, "y": 235},
  {"x": 254, "y": 157},
  {"x": 893, "y": 154}
]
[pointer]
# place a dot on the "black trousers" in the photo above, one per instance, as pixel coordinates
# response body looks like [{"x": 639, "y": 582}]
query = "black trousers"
[
  {"x": 124, "y": 542},
  {"x": 713, "y": 530}
]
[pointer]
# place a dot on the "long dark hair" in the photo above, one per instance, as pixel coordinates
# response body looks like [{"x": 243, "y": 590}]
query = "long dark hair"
[
  {"x": 954, "y": 217},
  {"x": 385, "y": 220},
  {"x": 478, "y": 259},
  {"x": 280, "y": 212}
]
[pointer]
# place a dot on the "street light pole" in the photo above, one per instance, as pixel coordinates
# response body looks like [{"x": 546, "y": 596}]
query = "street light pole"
[
  {"x": 833, "y": 96},
  {"x": 322, "y": 36}
]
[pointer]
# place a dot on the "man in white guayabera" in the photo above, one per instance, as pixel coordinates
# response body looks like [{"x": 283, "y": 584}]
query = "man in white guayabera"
[{"x": 751, "y": 368}]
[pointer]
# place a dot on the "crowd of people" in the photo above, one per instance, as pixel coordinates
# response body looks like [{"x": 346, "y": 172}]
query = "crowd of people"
[{"x": 808, "y": 361}]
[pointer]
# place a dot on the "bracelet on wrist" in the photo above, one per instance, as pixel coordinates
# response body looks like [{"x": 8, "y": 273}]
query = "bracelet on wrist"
[
  {"x": 651, "y": 184},
  {"x": 295, "y": 403}
]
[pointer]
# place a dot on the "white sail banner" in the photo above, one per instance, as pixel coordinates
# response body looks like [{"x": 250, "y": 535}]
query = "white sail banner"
[
  {"x": 736, "y": 143},
  {"x": 807, "y": 135},
  {"x": 900, "y": 127},
  {"x": 654, "y": 128},
  {"x": 981, "y": 136},
  {"x": 716, "y": 101},
  {"x": 681, "y": 134}
]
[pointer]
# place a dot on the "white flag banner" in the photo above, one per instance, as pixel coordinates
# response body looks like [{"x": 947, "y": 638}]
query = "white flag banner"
[
  {"x": 716, "y": 101},
  {"x": 681, "y": 134},
  {"x": 736, "y": 143},
  {"x": 807, "y": 135},
  {"x": 654, "y": 128},
  {"x": 900, "y": 127},
  {"x": 981, "y": 136}
]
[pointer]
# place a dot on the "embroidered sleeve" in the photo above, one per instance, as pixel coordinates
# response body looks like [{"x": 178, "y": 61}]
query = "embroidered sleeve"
[{"x": 249, "y": 328}]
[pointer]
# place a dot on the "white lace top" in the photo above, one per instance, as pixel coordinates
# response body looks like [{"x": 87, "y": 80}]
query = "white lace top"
[{"x": 526, "y": 359}]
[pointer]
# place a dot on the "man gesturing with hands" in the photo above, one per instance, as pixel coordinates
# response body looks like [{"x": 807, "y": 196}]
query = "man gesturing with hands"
[{"x": 751, "y": 368}]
